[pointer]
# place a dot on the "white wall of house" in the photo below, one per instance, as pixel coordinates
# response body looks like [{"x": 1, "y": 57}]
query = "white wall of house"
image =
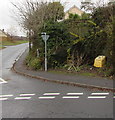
[{"x": 2, "y": 34}]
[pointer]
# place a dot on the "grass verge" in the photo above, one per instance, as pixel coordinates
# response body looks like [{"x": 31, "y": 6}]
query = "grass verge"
[
  {"x": 8, "y": 43},
  {"x": 73, "y": 73},
  {"x": 11, "y": 43}
]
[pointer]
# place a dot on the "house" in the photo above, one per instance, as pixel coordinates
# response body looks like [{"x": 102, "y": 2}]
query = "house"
[
  {"x": 73, "y": 10},
  {"x": 3, "y": 35}
]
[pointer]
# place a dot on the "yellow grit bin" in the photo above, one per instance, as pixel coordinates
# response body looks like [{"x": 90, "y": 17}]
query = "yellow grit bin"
[{"x": 100, "y": 61}]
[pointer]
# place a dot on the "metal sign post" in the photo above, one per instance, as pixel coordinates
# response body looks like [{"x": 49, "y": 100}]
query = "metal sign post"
[{"x": 45, "y": 38}]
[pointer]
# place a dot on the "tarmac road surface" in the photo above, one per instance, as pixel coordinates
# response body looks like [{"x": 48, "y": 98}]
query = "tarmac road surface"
[{"x": 24, "y": 97}]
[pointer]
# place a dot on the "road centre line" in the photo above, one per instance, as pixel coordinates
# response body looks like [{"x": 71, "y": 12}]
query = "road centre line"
[
  {"x": 3, "y": 99},
  {"x": 6, "y": 95},
  {"x": 52, "y": 97},
  {"x": 27, "y": 94},
  {"x": 99, "y": 93},
  {"x": 51, "y": 94},
  {"x": 96, "y": 97},
  {"x": 74, "y": 93},
  {"x": 22, "y": 98},
  {"x": 70, "y": 97}
]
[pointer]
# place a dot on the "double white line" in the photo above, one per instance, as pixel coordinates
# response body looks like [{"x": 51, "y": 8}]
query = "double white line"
[
  {"x": 49, "y": 95},
  {"x": 4, "y": 97},
  {"x": 72, "y": 95},
  {"x": 27, "y": 96},
  {"x": 24, "y": 97},
  {"x": 98, "y": 95}
]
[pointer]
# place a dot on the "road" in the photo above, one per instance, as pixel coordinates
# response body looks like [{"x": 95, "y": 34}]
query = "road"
[{"x": 24, "y": 97}]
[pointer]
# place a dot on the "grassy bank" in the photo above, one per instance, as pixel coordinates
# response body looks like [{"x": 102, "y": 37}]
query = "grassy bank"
[
  {"x": 10, "y": 43},
  {"x": 73, "y": 73},
  {"x": 34, "y": 63},
  {"x": 85, "y": 71}
]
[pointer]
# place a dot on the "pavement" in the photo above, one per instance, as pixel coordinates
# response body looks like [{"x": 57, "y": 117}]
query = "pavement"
[{"x": 99, "y": 83}]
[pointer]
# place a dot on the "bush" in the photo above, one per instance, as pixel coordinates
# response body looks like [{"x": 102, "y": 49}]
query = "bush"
[
  {"x": 107, "y": 72},
  {"x": 28, "y": 59},
  {"x": 32, "y": 62},
  {"x": 35, "y": 63}
]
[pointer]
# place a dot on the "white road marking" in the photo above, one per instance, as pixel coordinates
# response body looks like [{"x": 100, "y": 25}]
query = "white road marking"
[
  {"x": 70, "y": 97},
  {"x": 52, "y": 97},
  {"x": 74, "y": 93},
  {"x": 97, "y": 97},
  {"x": 22, "y": 98},
  {"x": 99, "y": 93},
  {"x": 6, "y": 95},
  {"x": 3, "y": 81},
  {"x": 27, "y": 94},
  {"x": 3, "y": 99},
  {"x": 51, "y": 93}
]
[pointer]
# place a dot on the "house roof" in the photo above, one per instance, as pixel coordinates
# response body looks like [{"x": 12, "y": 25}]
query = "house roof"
[{"x": 74, "y": 6}]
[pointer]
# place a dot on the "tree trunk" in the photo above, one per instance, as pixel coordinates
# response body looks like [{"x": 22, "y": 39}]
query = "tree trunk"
[{"x": 29, "y": 44}]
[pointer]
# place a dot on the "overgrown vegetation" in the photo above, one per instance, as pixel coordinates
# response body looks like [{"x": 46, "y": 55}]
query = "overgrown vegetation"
[{"x": 74, "y": 42}]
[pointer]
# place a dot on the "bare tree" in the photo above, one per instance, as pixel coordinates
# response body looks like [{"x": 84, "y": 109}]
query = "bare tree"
[
  {"x": 12, "y": 31},
  {"x": 30, "y": 16},
  {"x": 33, "y": 16}
]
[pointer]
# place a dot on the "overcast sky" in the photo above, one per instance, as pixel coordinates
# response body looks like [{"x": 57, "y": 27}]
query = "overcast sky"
[{"x": 7, "y": 22}]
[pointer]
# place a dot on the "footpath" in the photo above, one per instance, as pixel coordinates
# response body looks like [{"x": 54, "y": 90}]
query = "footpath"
[{"x": 97, "y": 83}]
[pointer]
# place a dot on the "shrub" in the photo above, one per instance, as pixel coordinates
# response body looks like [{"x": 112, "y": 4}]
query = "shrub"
[
  {"x": 28, "y": 59},
  {"x": 32, "y": 62},
  {"x": 35, "y": 63}
]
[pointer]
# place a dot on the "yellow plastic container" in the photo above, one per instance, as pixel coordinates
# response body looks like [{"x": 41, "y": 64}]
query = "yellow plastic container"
[{"x": 100, "y": 61}]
